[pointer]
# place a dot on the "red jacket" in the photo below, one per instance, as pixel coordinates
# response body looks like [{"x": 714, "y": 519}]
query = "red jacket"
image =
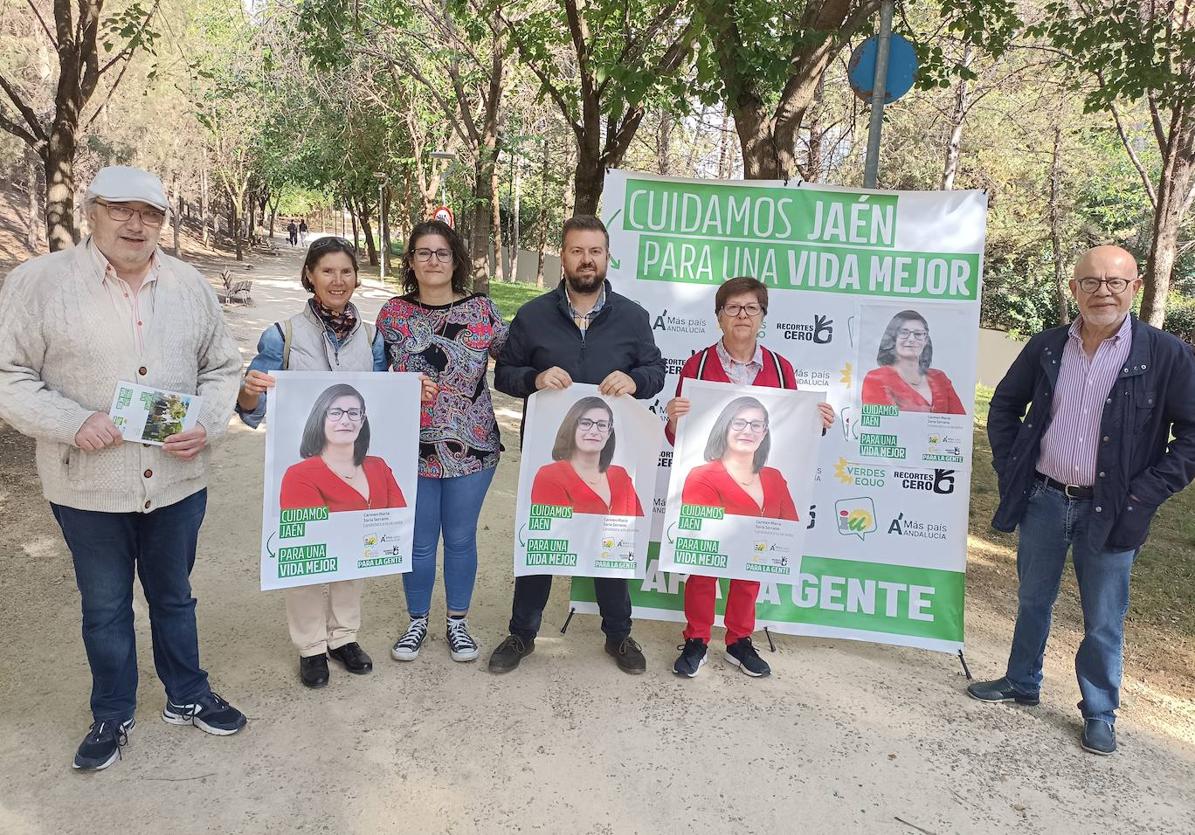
[
  {"x": 311, "y": 483},
  {"x": 884, "y": 386},
  {"x": 559, "y": 484},
  {"x": 710, "y": 485},
  {"x": 714, "y": 371}
]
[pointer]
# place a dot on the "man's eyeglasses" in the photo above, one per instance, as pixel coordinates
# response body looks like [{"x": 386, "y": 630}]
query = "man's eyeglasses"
[
  {"x": 586, "y": 424},
  {"x": 912, "y": 335},
  {"x": 423, "y": 254},
  {"x": 756, "y": 426},
  {"x": 120, "y": 213},
  {"x": 355, "y": 415},
  {"x": 1092, "y": 285},
  {"x": 736, "y": 310}
]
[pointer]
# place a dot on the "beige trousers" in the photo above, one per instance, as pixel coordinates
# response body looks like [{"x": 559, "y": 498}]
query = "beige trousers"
[{"x": 324, "y": 617}]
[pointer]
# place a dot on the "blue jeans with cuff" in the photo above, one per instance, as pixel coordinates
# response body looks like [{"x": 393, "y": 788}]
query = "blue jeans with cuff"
[
  {"x": 1053, "y": 524},
  {"x": 159, "y": 546},
  {"x": 450, "y": 506}
]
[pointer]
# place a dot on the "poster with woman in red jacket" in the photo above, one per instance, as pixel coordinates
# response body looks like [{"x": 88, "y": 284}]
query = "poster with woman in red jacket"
[
  {"x": 587, "y": 461},
  {"x": 341, "y": 477},
  {"x": 734, "y": 497}
]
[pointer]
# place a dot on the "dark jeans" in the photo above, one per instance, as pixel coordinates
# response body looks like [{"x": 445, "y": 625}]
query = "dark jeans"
[
  {"x": 160, "y": 546},
  {"x": 531, "y": 595},
  {"x": 1052, "y": 525}
]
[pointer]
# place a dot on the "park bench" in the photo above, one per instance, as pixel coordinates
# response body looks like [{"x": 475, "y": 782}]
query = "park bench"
[{"x": 235, "y": 291}]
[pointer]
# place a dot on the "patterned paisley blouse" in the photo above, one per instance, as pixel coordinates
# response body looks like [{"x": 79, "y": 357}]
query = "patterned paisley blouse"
[{"x": 451, "y": 344}]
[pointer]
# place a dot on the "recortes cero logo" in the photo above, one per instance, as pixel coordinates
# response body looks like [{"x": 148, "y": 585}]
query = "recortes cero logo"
[
  {"x": 938, "y": 481},
  {"x": 819, "y": 331}
]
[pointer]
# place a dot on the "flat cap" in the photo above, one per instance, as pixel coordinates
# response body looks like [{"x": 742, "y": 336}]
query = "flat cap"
[{"x": 125, "y": 184}]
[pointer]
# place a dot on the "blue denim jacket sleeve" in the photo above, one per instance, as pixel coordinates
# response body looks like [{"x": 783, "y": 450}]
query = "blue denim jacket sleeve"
[
  {"x": 269, "y": 360},
  {"x": 380, "y": 362}
]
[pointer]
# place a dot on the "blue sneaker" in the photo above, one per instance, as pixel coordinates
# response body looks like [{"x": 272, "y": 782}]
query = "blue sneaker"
[
  {"x": 1099, "y": 737},
  {"x": 101, "y": 747},
  {"x": 692, "y": 658},
  {"x": 209, "y": 713},
  {"x": 1000, "y": 690}
]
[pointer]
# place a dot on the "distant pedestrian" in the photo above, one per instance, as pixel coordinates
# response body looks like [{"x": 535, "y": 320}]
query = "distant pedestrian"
[
  {"x": 292, "y": 232},
  {"x": 303, "y": 232},
  {"x": 1109, "y": 436},
  {"x": 72, "y": 325}
]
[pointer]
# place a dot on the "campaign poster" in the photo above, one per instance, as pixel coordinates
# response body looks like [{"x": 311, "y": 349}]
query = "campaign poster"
[
  {"x": 742, "y": 479},
  {"x": 586, "y": 480},
  {"x": 874, "y": 298},
  {"x": 341, "y": 477}
]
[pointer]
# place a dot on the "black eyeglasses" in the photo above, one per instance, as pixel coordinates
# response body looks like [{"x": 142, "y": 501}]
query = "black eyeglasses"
[{"x": 1092, "y": 285}]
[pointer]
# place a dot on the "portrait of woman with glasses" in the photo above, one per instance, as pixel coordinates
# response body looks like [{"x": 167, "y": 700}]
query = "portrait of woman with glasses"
[
  {"x": 336, "y": 471},
  {"x": 441, "y": 330},
  {"x": 583, "y": 476},
  {"x": 904, "y": 378},
  {"x": 735, "y": 478}
]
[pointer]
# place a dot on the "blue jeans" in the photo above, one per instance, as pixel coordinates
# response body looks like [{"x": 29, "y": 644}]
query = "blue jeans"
[
  {"x": 451, "y": 505},
  {"x": 1052, "y": 524},
  {"x": 160, "y": 547}
]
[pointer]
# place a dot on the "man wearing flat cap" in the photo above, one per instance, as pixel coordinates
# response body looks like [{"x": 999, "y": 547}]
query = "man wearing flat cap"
[{"x": 72, "y": 325}]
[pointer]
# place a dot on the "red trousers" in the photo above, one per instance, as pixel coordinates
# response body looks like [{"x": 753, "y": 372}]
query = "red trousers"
[{"x": 739, "y": 619}]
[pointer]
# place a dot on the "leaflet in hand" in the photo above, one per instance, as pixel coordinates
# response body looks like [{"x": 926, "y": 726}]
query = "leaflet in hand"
[{"x": 150, "y": 416}]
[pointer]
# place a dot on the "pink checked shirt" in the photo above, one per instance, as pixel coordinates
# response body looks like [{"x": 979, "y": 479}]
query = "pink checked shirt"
[
  {"x": 135, "y": 308},
  {"x": 1069, "y": 446}
]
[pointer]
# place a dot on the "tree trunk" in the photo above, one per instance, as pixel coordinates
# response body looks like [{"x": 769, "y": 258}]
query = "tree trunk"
[
  {"x": 496, "y": 220},
  {"x": 204, "y": 201},
  {"x": 479, "y": 229},
  {"x": 664, "y": 144},
  {"x": 371, "y": 248},
  {"x": 178, "y": 215},
  {"x": 34, "y": 220},
  {"x": 543, "y": 217},
  {"x": 1176, "y": 188},
  {"x": 589, "y": 175},
  {"x": 957, "y": 114},
  {"x": 234, "y": 228},
  {"x": 60, "y": 184},
  {"x": 515, "y": 243},
  {"x": 1064, "y": 316},
  {"x": 724, "y": 155}
]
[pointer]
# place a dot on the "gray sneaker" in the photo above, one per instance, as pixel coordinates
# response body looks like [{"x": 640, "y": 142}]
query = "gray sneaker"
[{"x": 1099, "y": 737}]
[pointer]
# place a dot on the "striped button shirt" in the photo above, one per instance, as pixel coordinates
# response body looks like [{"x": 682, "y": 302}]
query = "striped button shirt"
[
  {"x": 1070, "y": 444},
  {"x": 583, "y": 320}
]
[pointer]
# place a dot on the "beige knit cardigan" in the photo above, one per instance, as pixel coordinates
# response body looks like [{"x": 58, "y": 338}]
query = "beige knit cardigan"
[{"x": 62, "y": 353}]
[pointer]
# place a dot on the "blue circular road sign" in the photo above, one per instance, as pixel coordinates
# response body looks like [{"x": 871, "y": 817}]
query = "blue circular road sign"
[{"x": 902, "y": 68}]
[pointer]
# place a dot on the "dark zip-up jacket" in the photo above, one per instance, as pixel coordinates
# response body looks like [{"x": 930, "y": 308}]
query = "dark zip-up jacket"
[
  {"x": 1138, "y": 465},
  {"x": 543, "y": 334}
]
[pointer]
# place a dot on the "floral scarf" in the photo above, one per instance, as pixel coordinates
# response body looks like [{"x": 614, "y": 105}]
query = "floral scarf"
[{"x": 341, "y": 324}]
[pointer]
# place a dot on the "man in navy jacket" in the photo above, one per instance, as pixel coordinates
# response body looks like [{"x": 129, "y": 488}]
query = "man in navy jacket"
[
  {"x": 1086, "y": 470},
  {"x": 580, "y": 332}
]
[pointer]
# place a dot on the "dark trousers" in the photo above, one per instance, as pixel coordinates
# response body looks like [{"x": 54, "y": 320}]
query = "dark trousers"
[
  {"x": 531, "y": 595},
  {"x": 160, "y": 546}
]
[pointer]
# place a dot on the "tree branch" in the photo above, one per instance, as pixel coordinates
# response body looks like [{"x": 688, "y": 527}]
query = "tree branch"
[
  {"x": 1155, "y": 118},
  {"x": 19, "y": 132},
  {"x": 131, "y": 46},
  {"x": 35, "y": 126},
  {"x": 44, "y": 27},
  {"x": 1133, "y": 158},
  {"x": 552, "y": 90}
]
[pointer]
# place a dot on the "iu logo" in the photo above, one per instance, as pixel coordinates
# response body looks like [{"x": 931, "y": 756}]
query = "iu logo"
[
  {"x": 943, "y": 481},
  {"x": 823, "y": 329},
  {"x": 659, "y": 325}
]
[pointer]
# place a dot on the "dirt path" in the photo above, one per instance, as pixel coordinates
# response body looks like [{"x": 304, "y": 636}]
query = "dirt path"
[{"x": 843, "y": 737}]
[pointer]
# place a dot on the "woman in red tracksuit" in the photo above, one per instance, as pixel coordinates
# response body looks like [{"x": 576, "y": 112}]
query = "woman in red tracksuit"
[{"x": 735, "y": 477}]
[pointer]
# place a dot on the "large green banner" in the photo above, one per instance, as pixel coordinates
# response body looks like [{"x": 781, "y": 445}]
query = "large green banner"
[{"x": 874, "y": 298}]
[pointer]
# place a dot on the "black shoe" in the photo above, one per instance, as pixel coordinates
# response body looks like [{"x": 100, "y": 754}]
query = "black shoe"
[
  {"x": 209, "y": 713},
  {"x": 313, "y": 670},
  {"x": 1000, "y": 690},
  {"x": 101, "y": 747},
  {"x": 1099, "y": 737},
  {"x": 510, "y": 652},
  {"x": 628, "y": 654},
  {"x": 691, "y": 659},
  {"x": 742, "y": 654},
  {"x": 353, "y": 658}
]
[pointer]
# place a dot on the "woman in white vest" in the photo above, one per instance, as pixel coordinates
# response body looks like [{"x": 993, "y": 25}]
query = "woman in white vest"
[{"x": 326, "y": 335}]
